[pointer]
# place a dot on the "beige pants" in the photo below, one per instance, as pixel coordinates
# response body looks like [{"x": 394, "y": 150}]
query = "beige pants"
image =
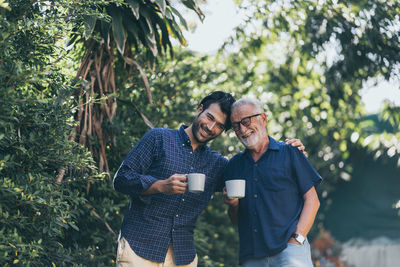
[{"x": 126, "y": 257}]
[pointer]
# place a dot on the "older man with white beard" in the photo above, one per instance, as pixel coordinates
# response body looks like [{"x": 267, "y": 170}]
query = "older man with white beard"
[{"x": 280, "y": 204}]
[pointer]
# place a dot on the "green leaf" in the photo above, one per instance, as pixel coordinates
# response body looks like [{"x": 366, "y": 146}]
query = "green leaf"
[
  {"x": 72, "y": 39},
  {"x": 144, "y": 27},
  {"x": 158, "y": 41},
  {"x": 152, "y": 44},
  {"x": 105, "y": 29},
  {"x": 4, "y": 5},
  {"x": 132, "y": 28},
  {"x": 90, "y": 23},
  {"x": 148, "y": 17},
  {"x": 118, "y": 29},
  {"x": 162, "y": 5},
  {"x": 74, "y": 226},
  {"x": 182, "y": 20},
  {"x": 135, "y": 8},
  {"x": 168, "y": 13},
  {"x": 177, "y": 32},
  {"x": 165, "y": 42},
  {"x": 191, "y": 4},
  {"x": 148, "y": 29}
]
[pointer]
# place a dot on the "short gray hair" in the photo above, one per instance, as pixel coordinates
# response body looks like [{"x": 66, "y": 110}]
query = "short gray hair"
[{"x": 257, "y": 105}]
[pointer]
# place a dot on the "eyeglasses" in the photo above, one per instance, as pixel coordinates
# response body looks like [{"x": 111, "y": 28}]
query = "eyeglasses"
[{"x": 246, "y": 121}]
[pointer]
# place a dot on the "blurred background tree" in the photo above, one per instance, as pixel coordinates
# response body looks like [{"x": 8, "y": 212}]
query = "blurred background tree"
[{"x": 126, "y": 31}]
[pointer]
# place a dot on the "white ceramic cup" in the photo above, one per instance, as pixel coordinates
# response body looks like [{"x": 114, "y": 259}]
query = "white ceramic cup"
[
  {"x": 235, "y": 188},
  {"x": 196, "y": 182}
]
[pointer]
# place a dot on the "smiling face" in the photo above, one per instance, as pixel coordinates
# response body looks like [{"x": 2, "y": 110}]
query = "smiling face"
[
  {"x": 208, "y": 124},
  {"x": 253, "y": 135}
]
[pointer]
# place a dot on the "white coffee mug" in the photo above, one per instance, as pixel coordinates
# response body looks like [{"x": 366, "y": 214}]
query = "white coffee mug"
[
  {"x": 196, "y": 182},
  {"x": 235, "y": 188}
]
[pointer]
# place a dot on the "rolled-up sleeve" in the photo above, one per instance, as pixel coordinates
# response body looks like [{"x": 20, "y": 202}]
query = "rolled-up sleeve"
[{"x": 132, "y": 178}]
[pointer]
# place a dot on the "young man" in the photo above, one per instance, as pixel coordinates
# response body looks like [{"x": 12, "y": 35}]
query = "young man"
[
  {"x": 158, "y": 226},
  {"x": 280, "y": 205}
]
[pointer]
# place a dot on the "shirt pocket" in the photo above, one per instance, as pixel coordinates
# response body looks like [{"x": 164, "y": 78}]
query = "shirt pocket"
[{"x": 274, "y": 179}]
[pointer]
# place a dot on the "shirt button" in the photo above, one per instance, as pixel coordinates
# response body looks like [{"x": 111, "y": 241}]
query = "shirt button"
[
  {"x": 255, "y": 230},
  {"x": 256, "y": 164},
  {"x": 255, "y": 213},
  {"x": 173, "y": 230},
  {"x": 255, "y": 196},
  {"x": 191, "y": 152},
  {"x": 255, "y": 179},
  {"x": 183, "y": 144},
  {"x": 177, "y": 215},
  {"x": 183, "y": 199}
]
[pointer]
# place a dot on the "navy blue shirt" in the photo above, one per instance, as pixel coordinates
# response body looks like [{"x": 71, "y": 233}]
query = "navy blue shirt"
[
  {"x": 153, "y": 222},
  {"x": 275, "y": 185}
]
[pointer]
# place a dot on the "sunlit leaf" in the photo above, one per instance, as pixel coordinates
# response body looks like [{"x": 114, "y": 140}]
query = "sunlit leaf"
[
  {"x": 162, "y": 4},
  {"x": 90, "y": 22}
]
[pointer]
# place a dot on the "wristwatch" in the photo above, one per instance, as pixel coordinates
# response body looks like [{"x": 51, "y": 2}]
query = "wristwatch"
[{"x": 299, "y": 238}]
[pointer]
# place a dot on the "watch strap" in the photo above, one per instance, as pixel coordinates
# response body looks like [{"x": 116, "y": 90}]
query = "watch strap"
[{"x": 299, "y": 238}]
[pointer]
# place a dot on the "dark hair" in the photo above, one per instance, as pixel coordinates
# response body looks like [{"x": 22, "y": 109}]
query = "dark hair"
[{"x": 225, "y": 101}]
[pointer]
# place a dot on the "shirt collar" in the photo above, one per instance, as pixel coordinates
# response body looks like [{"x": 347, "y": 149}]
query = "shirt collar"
[
  {"x": 273, "y": 145},
  {"x": 186, "y": 140}
]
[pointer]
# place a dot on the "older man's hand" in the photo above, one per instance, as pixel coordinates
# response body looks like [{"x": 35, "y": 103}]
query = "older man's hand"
[{"x": 234, "y": 202}]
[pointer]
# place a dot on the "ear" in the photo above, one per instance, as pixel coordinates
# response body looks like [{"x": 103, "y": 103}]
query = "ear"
[
  {"x": 200, "y": 109},
  {"x": 264, "y": 117}
]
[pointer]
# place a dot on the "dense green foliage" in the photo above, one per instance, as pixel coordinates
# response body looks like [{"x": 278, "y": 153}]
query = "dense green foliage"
[
  {"x": 109, "y": 31},
  {"x": 278, "y": 55},
  {"x": 36, "y": 213},
  {"x": 56, "y": 208}
]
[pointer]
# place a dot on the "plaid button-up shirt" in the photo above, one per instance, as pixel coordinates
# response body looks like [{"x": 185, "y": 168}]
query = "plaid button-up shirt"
[{"x": 153, "y": 222}]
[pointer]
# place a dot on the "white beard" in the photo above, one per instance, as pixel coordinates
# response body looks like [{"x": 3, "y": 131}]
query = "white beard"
[{"x": 251, "y": 141}]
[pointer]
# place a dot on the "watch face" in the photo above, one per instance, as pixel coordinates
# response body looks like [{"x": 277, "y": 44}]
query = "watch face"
[{"x": 299, "y": 238}]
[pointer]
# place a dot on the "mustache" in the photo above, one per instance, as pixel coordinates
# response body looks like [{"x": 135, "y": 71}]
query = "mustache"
[
  {"x": 208, "y": 131},
  {"x": 246, "y": 134}
]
